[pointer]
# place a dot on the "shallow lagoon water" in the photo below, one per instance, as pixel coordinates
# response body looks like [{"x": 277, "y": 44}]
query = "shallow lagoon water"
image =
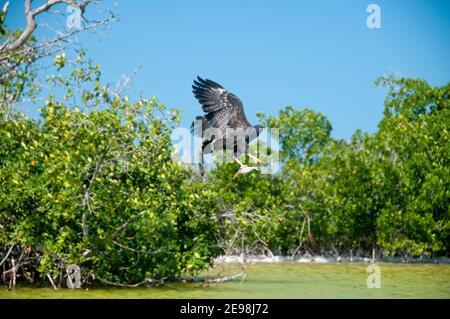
[{"x": 284, "y": 280}]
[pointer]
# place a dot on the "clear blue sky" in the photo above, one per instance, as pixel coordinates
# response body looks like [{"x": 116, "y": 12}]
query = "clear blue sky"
[{"x": 316, "y": 54}]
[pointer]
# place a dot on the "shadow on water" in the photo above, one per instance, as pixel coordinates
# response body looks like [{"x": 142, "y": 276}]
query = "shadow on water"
[{"x": 284, "y": 280}]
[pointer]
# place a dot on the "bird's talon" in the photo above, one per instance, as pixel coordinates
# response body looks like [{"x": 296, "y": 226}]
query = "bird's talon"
[{"x": 257, "y": 160}]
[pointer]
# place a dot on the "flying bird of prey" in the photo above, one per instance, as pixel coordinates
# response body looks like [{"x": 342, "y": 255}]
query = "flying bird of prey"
[{"x": 224, "y": 126}]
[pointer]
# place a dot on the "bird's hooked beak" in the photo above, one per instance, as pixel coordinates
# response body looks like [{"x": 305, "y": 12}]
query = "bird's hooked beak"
[{"x": 259, "y": 128}]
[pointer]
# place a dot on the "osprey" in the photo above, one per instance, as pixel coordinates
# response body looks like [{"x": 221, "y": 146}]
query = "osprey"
[{"x": 225, "y": 125}]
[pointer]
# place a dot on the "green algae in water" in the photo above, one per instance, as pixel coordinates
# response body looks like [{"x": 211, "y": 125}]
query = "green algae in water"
[{"x": 284, "y": 280}]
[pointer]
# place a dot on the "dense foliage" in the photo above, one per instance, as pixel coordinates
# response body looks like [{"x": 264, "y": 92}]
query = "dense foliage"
[
  {"x": 388, "y": 191},
  {"x": 93, "y": 182}
]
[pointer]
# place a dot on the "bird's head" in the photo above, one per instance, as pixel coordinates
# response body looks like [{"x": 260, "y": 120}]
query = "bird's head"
[{"x": 259, "y": 128}]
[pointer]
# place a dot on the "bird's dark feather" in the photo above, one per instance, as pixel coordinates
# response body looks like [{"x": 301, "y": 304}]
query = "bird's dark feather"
[
  {"x": 223, "y": 110},
  {"x": 214, "y": 98}
]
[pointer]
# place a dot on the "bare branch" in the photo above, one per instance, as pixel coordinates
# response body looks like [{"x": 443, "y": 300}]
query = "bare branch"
[
  {"x": 149, "y": 281},
  {"x": 31, "y": 24},
  {"x": 7, "y": 254},
  {"x": 124, "y": 82},
  {"x": 85, "y": 202},
  {"x": 67, "y": 35},
  {"x": 5, "y": 7},
  {"x": 12, "y": 274},
  {"x": 130, "y": 249},
  {"x": 301, "y": 240},
  {"x": 51, "y": 281},
  {"x": 124, "y": 225},
  {"x": 221, "y": 280},
  {"x": 17, "y": 52}
]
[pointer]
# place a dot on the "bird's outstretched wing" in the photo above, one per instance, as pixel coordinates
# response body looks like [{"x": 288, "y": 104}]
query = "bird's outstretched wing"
[{"x": 221, "y": 106}]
